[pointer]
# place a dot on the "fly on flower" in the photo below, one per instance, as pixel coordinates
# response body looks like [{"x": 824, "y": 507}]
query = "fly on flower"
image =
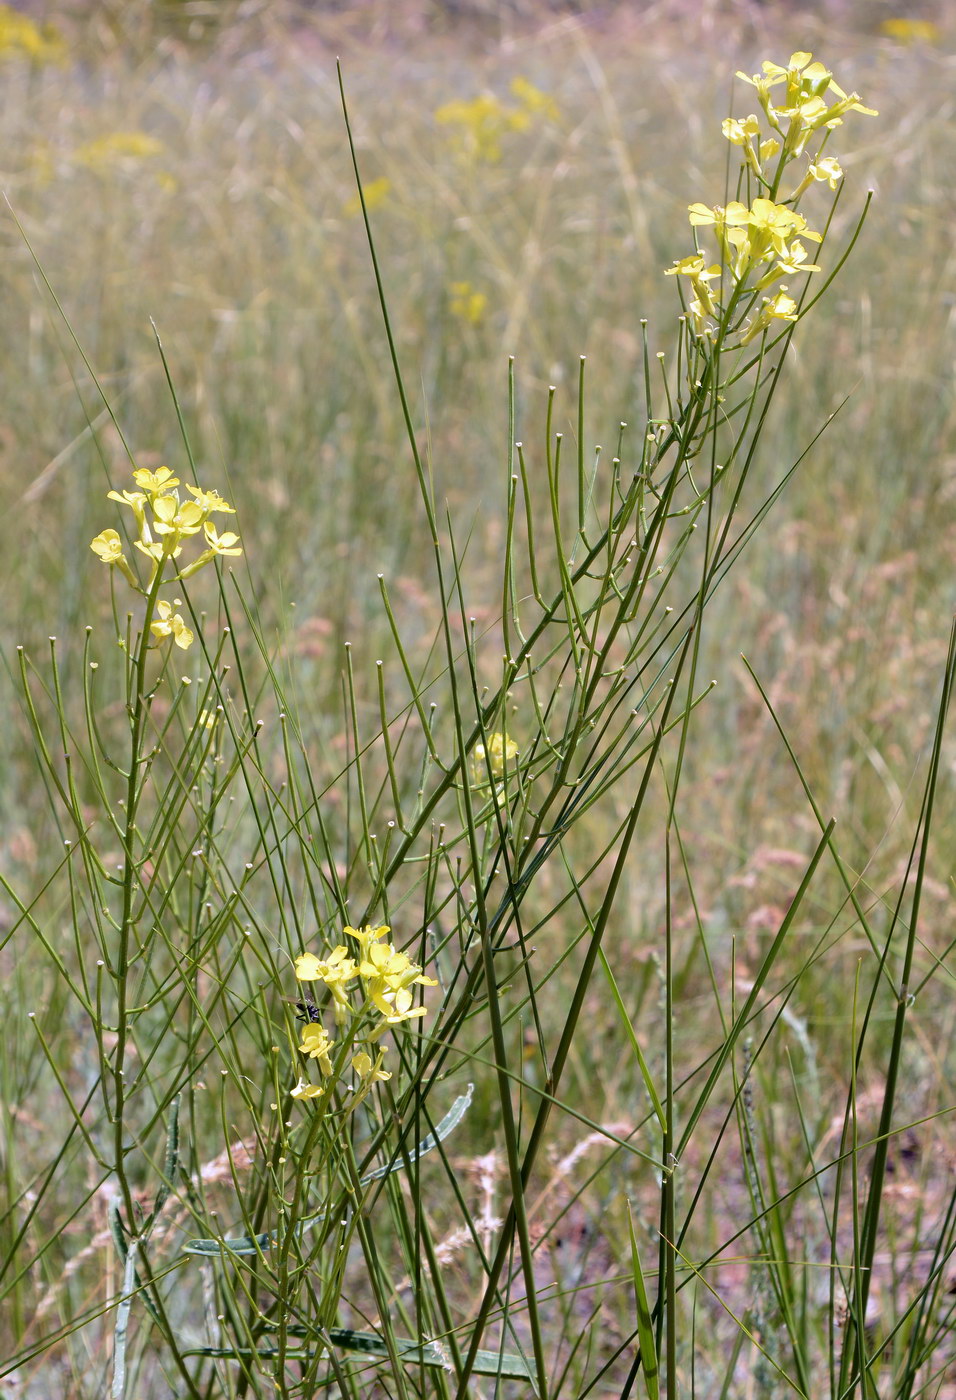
[{"x": 305, "y": 1008}]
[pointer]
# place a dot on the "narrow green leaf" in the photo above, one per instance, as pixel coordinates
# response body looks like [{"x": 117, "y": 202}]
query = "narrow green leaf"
[
  {"x": 487, "y": 1363},
  {"x": 645, "y": 1326}
]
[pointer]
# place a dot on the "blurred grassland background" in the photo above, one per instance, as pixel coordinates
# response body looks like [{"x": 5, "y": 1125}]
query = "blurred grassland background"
[
  {"x": 165, "y": 166},
  {"x": 188, "y": 163}
]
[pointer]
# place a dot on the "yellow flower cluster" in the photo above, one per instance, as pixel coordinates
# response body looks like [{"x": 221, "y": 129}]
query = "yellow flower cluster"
[
  {"x": 163, "y": 522},
  {"x": 478, "y": 126},
  {"x": 760, "y": 242},
  {"x": 383, "y": 977},
  {"x": 496, "y": 757},
  {"x": 20, "y": 37}
]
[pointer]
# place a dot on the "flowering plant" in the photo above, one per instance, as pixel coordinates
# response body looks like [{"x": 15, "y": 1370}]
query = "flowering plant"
[
  {"x": 163, "y": 524},
  {"x": 759, "y": 240}
]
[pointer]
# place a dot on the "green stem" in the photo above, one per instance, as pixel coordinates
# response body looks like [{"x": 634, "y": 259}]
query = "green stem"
[{"x": 121, "y": 964}]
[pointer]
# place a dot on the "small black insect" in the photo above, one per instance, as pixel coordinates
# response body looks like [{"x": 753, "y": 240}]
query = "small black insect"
[{"x": 306, "y": 1009}]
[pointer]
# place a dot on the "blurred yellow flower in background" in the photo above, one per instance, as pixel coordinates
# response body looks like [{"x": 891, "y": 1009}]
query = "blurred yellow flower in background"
[
  {"x": 467, "y": 304},
  {"x": 376, "y": 192},
  {"x": 117, "y": 150},
  {"x": 910, "y": 31},
  {"x": 21, "y": 37},
  {"x": 535, "y": 101},
  {"x": 479, "y": 125}
]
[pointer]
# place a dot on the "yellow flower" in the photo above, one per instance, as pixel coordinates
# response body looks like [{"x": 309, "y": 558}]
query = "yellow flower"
[
  {"x": 695, "y": 268},
  {"x": 770, "y": 225},
  {"x": 317, "y": 1045},
  {"x": 735, "y": 215},
  {"x": 383, "y": 969},
  {"x": 171, "y": 518},
  {"x": 741, "y": 133},
  {"x": 691, "y": 266},
  {"x": 208, "y": 501},
  {"x": 794, "y": 260},
  {"x": 791, "y": 261},
  {"x": 800, "y": 75},
  {"x": 395, "y": 1008},
  {"x": 368, "y": 1069},
  {"x": 170, "y": 624},
  {"x": 479, "y": 125},
  {"x": 782, "y": 308},
  {"x": 308, "y": 968},
  {"x": 386, "y": 973},
  {"x": 779, "y": 308},
  {"x": 224, "y": 544},
  {"x": 805, "y": 117},
  {"x": 219, "y": 545},
  {"x": 338, "y": 966},
  {"x": 466, "y": 304},
  {"x": 849, "y": 102},
  {"x": 305, "y": 1090},
  {"x": 335, "y": 970},
  {"x": 172, "y": 521},
  {"x": 376, "y": 192},
  {"x": 365, "y": 936},
  {"x": 496, "y": 757},
  {"x": 157, "y": 482},
  {"x": 381, "y": 961},
  {"x": 828, "y": 169},
  {"x": 109, "y": 547}
]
